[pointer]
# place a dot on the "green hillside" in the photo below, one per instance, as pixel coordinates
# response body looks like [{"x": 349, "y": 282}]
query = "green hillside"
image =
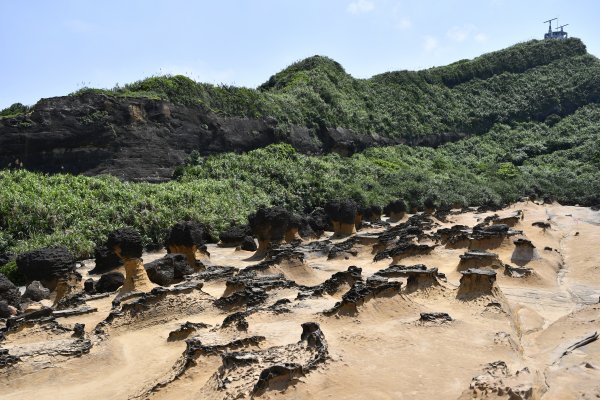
[
  {"x": 526, "y": 82},
  {"x": 531, "y": 111}
]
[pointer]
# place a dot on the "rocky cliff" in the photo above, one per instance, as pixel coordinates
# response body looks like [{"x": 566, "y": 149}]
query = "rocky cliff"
[{"x": 145, "y": 139}]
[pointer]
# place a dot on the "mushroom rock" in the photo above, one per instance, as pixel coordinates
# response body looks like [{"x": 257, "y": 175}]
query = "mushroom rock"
[
  {"x": 189, "y": 238},
  {"x": 170, "y": 269},
  {"x": 234, "y": 235},
  {"x": 109, "y": 282},
  {"x": 271, "y": 226},
  {"x": 9, "y": 292},
  {"x": 343, "y": 216},
  {"x": 430, "y": 205},
  {"x": 106, "y": 259},
  {"x": 372, "y": 213},
  {"x": 292, "y": 233},
  {"x": 35, "y": 291},
  {"x": 479, "y": 259},
  {"x": 319, "y": 221},
  {"x": 127, "y": 245},
  {"x": 46, "y": 265},
  {"x": 476, "y": 282},
  {"x": 395, "y": 210},
  {"x": 419, "y": 279},
  {"x": 524, "y": 252}
]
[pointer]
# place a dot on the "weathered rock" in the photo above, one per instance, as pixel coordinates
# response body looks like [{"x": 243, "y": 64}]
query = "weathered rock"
[
  {"x": 234, "y": 235},
  {"x": 127, "y": 245},
  {"x": 479, "y": 259},
  {"x": 89, "y": 286},
  {"x": 476, "y": 282},
  {"x": 138, "y": 138},
  {"x": 343, "y": 250},
  {"x": 435, "y": 317},
  {"x": 342, "y": 214},
  {"x": 334, "y": 283},
  {"x": 9, "y": 292},
  {"x": 497, "y": 382},
  {"x": 510, "y": 220},
  {"x": 408, "y": 249},
  {"x": 361, "y": 293},
  {"x": 271, "y": 226},
  {"x": 6, "y": 310},
  {"x": 524, "y": 252},
  {"x": 248, "y": 244},
  {"x": 105, "y": 259},
  {"x": 455, "y": 237},
  {"x": 516, "y": 272},
  {"x": 489, "y": 237},
  {"x": 371, "y": 213},
  {"x": 238, "y": 320},
  {"x": 542, "y": 224},
  {"x": 109, "y": 282},
  {"x": 185, "y": 330},
  {"x": 169, "y": 269},
  {"x": 319, "y": 221},
  {"x": 46, "y": 265},
  {"x": 395, "y": 210},
  {"x": 189, "y": 238},
  {"x": 35, "y": 291}
]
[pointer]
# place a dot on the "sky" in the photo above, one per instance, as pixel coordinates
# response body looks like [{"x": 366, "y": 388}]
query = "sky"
[{"x": 52, "y": 48}]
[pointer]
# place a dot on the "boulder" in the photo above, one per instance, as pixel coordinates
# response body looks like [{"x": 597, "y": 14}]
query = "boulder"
[
  {"x": 6, "y": 310},
  {"x": 35, "y": 291},
  {"x": 343, "y": 215},
  {"x": 89, "y": 286},
  {"x": 248, "y": 244},
  {"x": 9, "y": 292},
  {"x": 234, "y": 235},
  {"x": 46, "y": 265},
  {"x": 170, "y": 269},
  {"x": 109, "y": 282},
  {"x": 106, "y": 259},
  {"x": 189, "y": 238}
]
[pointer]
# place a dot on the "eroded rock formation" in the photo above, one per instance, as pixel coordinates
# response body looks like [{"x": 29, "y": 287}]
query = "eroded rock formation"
[{"x": 189, "y": 238}]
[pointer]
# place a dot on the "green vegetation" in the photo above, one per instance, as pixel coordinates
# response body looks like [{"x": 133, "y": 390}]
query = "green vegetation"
[
  {"x": 532, "y": 111},
  {"x": 526, "y": 82},
  {"x": 561, "y": 160},
  {"x": 14, "y": 110}
]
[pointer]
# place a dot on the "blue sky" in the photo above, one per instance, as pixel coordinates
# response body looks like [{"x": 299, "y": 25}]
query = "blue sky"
[{"x": 51, "y": 48}]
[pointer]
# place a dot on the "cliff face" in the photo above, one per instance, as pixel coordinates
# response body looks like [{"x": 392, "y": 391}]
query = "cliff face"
[{"x": 143, "y": 139}]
